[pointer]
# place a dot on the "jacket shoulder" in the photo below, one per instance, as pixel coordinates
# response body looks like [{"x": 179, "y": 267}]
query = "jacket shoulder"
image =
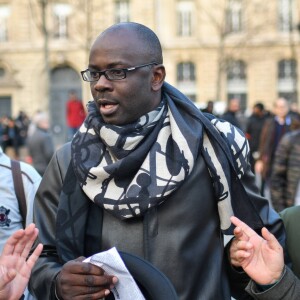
[{"x": 62, "y": 157}]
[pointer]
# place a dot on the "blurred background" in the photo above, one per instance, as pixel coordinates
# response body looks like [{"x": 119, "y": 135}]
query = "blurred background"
[{"x": 214, "y": 50}]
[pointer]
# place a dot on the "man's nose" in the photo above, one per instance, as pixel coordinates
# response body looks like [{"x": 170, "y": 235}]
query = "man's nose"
[{"x": 103, "y": 83}]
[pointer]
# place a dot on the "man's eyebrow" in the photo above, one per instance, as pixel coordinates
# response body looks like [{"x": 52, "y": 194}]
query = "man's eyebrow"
[{"x": 118, "y": 65}]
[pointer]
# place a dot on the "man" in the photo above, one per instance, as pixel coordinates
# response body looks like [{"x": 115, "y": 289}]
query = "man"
[
  {"x": 15, "y": 264},
  {"x": 253, "y": 130},
  {"x": 209, "y": 107},
  {"x": 40, "y": 143},
  {"x": 147, "y": 173},
  {"x": 75, "y": 114},
  {"x": 230, "y": 114},
  {"x": 273, "y": 130},
  {"x": 10, "y": 136}
]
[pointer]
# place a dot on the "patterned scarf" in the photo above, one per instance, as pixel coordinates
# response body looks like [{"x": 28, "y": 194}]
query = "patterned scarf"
[{"x": 128, "y": 169}]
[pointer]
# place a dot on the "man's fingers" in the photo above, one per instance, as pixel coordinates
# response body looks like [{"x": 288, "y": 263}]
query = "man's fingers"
[
  {"x": 243, "y": 245},
  {"x": 240, "y": 255},
  {"x": 28, "y": 240},
  {"x": 240, "y": 235},
  {"x": 12, "y": 241},
  {"x": 78, "y": 267},
  {"x": 80, "y": 258},
  {"x": 23, "y": 245},
  {"x": 246, "y": 229},
  {"x": 34, "y": 256},
  {"x": 272, "y": 241}
]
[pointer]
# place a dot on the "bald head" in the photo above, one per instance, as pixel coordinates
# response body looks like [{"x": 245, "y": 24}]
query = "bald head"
[
  {"x": 281, "y": 108},
  {"x": 134, "y": 51},
  {"x": 148, "y": 42}
]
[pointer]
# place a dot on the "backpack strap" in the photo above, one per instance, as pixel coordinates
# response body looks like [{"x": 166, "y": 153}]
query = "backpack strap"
[{"x": 19, "y": 188}]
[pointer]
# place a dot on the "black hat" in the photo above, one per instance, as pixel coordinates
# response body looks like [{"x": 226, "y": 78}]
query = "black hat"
[{"x": 154, "y": 284}]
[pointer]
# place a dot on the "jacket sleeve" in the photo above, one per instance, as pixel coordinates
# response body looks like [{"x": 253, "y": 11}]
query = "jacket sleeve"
[
  {"x": 42, "y": 279},
  {"x": 288, "y": 287},
  {"x": 263, "y": 145},
  {"x": 279, "y": 174}
]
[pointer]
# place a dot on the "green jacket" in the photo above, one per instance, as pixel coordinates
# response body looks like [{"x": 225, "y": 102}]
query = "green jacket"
[{"x": 291, "y": 218}]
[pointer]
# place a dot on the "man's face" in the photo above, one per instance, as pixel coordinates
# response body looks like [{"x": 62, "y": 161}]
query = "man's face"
[
  {"x": 122, "y": 101},
  {"x": 234, "y": 105},
  {"x": 281, "y": 108}
]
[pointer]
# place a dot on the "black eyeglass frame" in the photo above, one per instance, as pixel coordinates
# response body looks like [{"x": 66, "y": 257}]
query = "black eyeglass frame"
[{"x": 104, "y": 72}]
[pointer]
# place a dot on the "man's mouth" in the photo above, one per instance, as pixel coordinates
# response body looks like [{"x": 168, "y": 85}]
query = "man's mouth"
[{"x": 107, "y": 107}]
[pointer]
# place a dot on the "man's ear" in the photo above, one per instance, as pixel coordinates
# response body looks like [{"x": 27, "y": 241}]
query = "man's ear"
[{"x": 158, "y": 77}]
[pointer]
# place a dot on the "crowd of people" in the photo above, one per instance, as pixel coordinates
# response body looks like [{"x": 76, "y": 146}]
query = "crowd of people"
[
  {"x": 148, "y": 173},
  {"x": 28, "y": 139},
  {"x": 274, "y": 143},
  {"x": 13, "y": 132}
]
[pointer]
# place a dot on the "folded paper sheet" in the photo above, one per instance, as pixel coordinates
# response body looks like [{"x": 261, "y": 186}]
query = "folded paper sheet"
[{"x": 111, "y": 262}]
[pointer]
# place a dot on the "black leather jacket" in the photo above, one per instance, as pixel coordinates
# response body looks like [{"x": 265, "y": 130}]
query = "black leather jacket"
[{"x": 182, "y": 237}]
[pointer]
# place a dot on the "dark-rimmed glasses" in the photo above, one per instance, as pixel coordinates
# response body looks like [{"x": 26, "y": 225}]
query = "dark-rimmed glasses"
[{"x": 110, "y": 74}]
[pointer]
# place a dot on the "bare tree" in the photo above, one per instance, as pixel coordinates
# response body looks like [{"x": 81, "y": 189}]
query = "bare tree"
[
  {"x": 235, "y": 28},
  {"x": 38, "y": 10}
]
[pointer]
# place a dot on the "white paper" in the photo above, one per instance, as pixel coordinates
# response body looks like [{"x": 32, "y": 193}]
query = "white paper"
[{"x": 111, "y": 262}]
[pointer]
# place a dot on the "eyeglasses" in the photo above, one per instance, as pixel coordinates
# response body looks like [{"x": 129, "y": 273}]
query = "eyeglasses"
[{"x": 110, "y": 74}]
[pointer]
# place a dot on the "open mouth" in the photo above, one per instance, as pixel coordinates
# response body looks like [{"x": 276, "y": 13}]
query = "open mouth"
[{"x": 107, "y": 108}]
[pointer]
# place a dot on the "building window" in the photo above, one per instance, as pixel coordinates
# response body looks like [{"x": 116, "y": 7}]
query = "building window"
[
  {"x": 122, "y": 11},
  {"x": 61, "y": 14},
  {"x": 287, "y": 79},
  {"x": 236, "y": 70},
  {"x": 234, "y": 17},
  {"x": 285, "y": 17},
  {"x": 237, "y": 82},
  {"x": 184, "y": 18},
  {"x": 287, "y": 69},
  {"x": 4, "y": 14},
  {"x": 186, "y": 72},
  {"x": 186, "y": 79}
]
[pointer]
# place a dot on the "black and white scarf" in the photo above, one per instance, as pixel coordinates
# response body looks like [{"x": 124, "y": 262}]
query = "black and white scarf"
[{"x": 129, "y": 169}]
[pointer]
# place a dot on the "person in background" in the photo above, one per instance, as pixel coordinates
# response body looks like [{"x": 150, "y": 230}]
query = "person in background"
[
  {"x": 75, "y": 114},
  {"x": 230, "y": 114},
  {"x": 15, "y": 264},
  {"x": 273, "y": 130},
  {"x": 253, "y": 130},
  {"x": 32, "y": 124},
  {"x": 285, "y": 176},
  {"x": 22, "y": 123},
  {"x": 149, "y": 174},
  {"x": 209, "y": 108},
  {"x": 261, "y": 257},
  {"x": 294, "y": 110},
  {"x": 10, "y": 137},
  {"x": 40, "y": 143},
  {"x": 11, "y": 218}
]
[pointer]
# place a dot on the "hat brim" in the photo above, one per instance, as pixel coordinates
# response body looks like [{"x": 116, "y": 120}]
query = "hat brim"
[{"x": 153, "y": 283}]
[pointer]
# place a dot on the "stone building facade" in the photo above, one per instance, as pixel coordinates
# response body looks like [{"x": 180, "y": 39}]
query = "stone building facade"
[{"x": 213, "y": 49}]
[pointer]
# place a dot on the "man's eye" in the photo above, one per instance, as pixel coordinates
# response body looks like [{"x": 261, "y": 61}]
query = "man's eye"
[
  {"x": 93, "y": 74},
  {"x": 116, "y": 72}
]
